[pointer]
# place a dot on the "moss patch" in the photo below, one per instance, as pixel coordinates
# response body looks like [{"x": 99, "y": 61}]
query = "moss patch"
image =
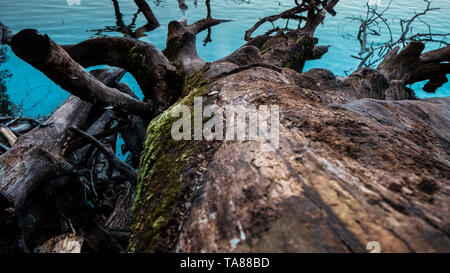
[{"x": 162, "y": 171}]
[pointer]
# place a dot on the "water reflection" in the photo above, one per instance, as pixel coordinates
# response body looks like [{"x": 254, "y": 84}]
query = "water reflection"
[
  {"x": 130, "y": 30},
  {"x": 72, "y": 24},
  {"x": 127, "y": 30}
]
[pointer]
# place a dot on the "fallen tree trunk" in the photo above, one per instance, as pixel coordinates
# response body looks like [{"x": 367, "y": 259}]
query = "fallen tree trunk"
[
  {"x": 355, "y": 163},
  {"x": 35, "y": 158},
  {"x": 348, "y": 171}
]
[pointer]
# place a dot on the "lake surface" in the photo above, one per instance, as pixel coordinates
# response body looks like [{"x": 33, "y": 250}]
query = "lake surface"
[{"x": 68, "y": 24}]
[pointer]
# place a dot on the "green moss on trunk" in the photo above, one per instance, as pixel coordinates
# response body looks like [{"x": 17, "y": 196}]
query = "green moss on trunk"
[{"x": 161, "y": 177}]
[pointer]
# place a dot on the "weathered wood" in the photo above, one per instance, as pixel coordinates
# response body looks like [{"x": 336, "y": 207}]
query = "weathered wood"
[
  {"x": 65, "y": 243},
  {"x": 120, "y": 218},
  {"x": 181, "y": 49},
  {"x": 100, "y": 239},
  {"x": 348, "y": 171},
  {"x": 157, "y": 77},
  {"x": 55, "y": 63},
  {"x": 8, "y": 135},
  {"x": 37, "y": 156},
  {"x": 438, "y": 55},
  {"x": 356, "y": 162},
  {"x": 109, "y": 154},
  {"x": 411, "y": 66},
  {"x": 181, "y": 43}
]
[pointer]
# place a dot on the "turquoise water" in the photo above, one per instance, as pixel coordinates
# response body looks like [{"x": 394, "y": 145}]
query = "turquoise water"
[{"x": 68, "y": 24}]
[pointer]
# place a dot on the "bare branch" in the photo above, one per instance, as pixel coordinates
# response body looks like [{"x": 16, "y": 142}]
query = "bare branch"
[
  {"x": 315, "y": 14},
  {"x": 371, "y": 25},
  {"x": 55, "y": 63},
  {"x": 109, "y": 154},
  {"x": 156, "y": 76},
  {"x": 204, "y": 24},
  {"x": 284, "y": 15}
]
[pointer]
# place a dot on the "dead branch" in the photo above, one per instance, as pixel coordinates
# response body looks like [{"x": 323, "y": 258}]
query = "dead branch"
[
  {"x": 315, "y": 15},
  {"x": 36, "y": 158},
  {"x": 406, "y": 24},
  {"x": 204, "y": 24},
  {"x": 181, "y": 42},
  {"x": 157, "y": 77},
  {"x": 110, "y": 155},
  {"x": 438, "y": 55},
  {"x": 40, "y": 149},
  {"x": 371, "y": 54},
  {"x": 54, "y": 62},
  {"x": 284, "y": 15}
]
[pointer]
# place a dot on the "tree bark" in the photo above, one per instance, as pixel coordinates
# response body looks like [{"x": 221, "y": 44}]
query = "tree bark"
[
  {"x": 349, "y": 170},
  {"x": 410, "y": 65},
  {"x": 157, "y": 77},
  {"x": 356, "y": 162},
  {"x": 55, "y": 63},
  {"x": 37, "y": 156}
]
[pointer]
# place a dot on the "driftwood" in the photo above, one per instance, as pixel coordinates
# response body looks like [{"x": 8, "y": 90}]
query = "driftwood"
[
  {"x": 50, "y": 58},
  {"x": 8, "y": 135},
  {"x": 156, "y": 76},
  {"x": 409, "y": 66},
  {"x": 23, "y": 168},
  {"x": 359, "y": 159},
  {"x": 110, "y": 155},
  {"x": 36, "y": 158}
]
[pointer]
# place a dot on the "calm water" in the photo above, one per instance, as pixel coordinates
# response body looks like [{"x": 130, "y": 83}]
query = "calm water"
[{"x": 67, "y": 24}]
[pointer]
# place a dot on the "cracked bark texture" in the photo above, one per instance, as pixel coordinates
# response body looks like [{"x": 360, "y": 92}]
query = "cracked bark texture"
[{"x": 350, "y": 169}]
